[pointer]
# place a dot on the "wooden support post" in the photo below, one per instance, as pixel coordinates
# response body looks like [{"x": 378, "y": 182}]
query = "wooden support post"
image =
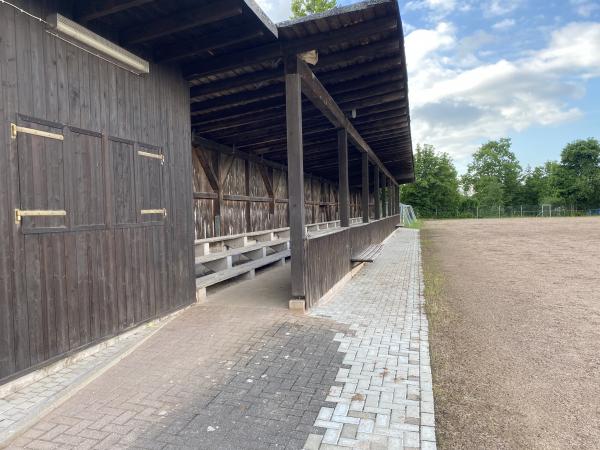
[
  {"x": 365, "y": 188},
  {"x": 293, "y": 106},
  {"x": 390, "y": 205},
  {"x": 343, "y": 178},
  {"x": 377, "y": 194},
  {"x": 383, "y": 197},
  {"x": 247, "y": 192}
]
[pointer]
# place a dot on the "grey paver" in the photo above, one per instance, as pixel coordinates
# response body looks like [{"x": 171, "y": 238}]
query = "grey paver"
[
  {"x": 387, "y": 350},
  {"x": 352, "y": 374}
]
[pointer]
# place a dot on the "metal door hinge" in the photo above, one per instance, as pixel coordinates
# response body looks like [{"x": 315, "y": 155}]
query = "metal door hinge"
[
  {"x": 152, "y": 155},
  {"x": 15, "y": 129},
  {"x": 163, "y": 211},
  {"x": 20, "y": 213}
]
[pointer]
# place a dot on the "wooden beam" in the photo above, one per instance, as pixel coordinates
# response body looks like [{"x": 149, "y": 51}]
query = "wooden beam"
[
  {"x": 343, "y": 177},
  {"x": 368, "y": 68},
  {"x": 248, "y": 210},
  {"x": 384, "y": 212},
  {"x": 376, "y": 192},
  {"x": 208, "y": 170},
  {"x": 207, "y": 144},
  {"x": 343, "y": 92},
  {"x": 315, "y": 91},
  {"x": 204, "y": 44},
  {"x": 365, "y": 188},
  {"x": 238, "y": 99},
  {"x": 224, "y": 169},
  {"x": 241, "y": 81},
  {"x": 273, "y": 51},
  {"x": 390, "y": 205},
  {"x": 293, "y": 95},
  {"x": 92, "y": 10},
  {"x": 205, "y": 195},
  {"x": 268, "y": 179},
  {"x": 375, "y": 49},
  {"x": 182, "y": 20}
]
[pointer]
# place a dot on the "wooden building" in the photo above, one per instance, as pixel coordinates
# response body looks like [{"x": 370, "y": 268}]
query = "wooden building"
[{"x": 108, "y": 173}]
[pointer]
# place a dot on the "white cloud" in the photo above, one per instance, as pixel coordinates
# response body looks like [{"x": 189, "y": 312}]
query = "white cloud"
[
  {"x": 277, "y": 10},
  {"x": 456, "y": 107},
  {"x": 443, "y": 5},
  {"x": 500, "y": 7},
  {"x": 504, "y": 24},
  {"x": 585, "y": 8}
]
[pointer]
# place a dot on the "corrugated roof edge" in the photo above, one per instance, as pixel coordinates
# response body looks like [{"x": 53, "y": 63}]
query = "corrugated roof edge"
[
  {"x": 334, "y": 11},
  {"x": 401, "y": 37},
  {"x": 362, "y": 6},
  {"x": 260, "y": 14}
]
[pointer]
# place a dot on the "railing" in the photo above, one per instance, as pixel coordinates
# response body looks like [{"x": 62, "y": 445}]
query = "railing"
[
  {"x": 221, "y": 258},
  {"x": 328, "y": 256}
]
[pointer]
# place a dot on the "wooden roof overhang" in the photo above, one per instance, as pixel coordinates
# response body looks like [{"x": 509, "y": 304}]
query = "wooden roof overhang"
[{"x": 233, "y": 58}]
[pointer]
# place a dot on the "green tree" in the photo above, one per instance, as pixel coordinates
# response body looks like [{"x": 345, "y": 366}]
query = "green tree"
[
  {"x": 436, "y": 182},
  {"x": 494, "y": 168},
  {"x": 301, "y": 8},
  {"x": 577, "y": 177},
  {"x": 539, "y": 185}
]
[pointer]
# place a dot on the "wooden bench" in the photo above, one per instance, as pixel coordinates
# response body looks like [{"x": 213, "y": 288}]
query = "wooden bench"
[
  {"x": 221, "y": 258},
  {"x": 369, "y": 254},
  {"x": 246, "y": 270},
  {"x": 228, "y": 258}
]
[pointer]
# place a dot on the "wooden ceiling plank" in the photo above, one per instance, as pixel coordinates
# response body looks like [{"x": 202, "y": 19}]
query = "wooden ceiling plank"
[
  {"x": 249, "y": 79},
  {"x": 93, "y": 10},
  {"x": 204, "y": 44},
  {"x": 276, "y": 50},
  {"x": 182, "y": 20}
]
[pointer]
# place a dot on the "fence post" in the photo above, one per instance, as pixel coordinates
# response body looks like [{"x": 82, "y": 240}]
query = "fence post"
[
  {"x": 521, "y": 210},
  {"x": 478, "y": 211},
  {"x": 498, "y": 211}
]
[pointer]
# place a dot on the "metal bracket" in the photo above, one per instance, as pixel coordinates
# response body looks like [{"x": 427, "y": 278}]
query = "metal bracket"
[
  {"x": 154, "y": 211},
  {"x": 15, "y": 129},
  {"x": 152, "y": 155},
  {"x": 19, "y": 213}
]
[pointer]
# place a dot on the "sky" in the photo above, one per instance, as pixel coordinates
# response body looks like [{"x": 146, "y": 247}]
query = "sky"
[{"x": 478, "y": 70}]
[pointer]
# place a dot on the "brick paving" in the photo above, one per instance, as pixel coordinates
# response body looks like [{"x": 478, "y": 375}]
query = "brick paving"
[
  {"x": 21, "y": 407},
  {"x": 353, "y": 373},
  {"x": 386, "y": 400}
]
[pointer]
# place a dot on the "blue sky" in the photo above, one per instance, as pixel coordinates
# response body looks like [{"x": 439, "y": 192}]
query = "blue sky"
[{"x": 484, "y": 69}]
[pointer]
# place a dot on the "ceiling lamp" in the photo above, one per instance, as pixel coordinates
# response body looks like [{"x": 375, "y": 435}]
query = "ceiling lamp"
[{"x": 72, "y": 31}]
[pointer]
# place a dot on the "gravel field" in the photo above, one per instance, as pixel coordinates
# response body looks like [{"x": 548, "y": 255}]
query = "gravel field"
[{"x": 514, "y": 308}]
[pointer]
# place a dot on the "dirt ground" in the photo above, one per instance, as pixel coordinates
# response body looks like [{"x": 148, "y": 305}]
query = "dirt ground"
[{"x": 514, "y": 309}]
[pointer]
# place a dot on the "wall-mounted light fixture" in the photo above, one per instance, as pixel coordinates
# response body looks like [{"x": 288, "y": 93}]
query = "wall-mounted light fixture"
[{"x": 72, "y": 31}]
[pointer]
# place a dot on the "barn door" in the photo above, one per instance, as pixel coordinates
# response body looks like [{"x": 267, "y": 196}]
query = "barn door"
[
  {"x": 41, "y": 217},
  {"x": 41, "y": 176}
]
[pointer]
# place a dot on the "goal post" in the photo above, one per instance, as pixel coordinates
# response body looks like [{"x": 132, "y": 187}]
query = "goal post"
[{"x": 546, "y": 210}]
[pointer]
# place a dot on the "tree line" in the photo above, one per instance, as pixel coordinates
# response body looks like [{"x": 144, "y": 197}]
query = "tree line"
[{"x": 495, "y": 179}]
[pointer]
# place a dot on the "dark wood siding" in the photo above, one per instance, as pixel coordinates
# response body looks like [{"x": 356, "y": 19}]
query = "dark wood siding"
[
  {"x": 67, "y": 282},
  {"x": 321, "y": 198}
]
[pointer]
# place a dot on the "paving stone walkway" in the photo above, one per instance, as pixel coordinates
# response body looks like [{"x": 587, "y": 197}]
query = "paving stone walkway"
[
  {"x": 353, "y": 373},
  {"x": 386, "y": 400},
  {"x": 23, "y": 406}
]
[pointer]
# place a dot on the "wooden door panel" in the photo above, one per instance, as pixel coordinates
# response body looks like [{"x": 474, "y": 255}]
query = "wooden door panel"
[{"x": 41, "y": 176}]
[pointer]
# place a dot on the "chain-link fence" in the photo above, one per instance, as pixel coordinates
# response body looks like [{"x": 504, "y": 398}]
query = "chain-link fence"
[{"x": 500, "y": 211}]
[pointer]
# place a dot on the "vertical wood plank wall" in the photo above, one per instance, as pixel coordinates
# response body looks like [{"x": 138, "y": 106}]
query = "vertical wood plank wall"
[
  {"x": 320, "y": 198},
  {"x": 68, "y": 282}
]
